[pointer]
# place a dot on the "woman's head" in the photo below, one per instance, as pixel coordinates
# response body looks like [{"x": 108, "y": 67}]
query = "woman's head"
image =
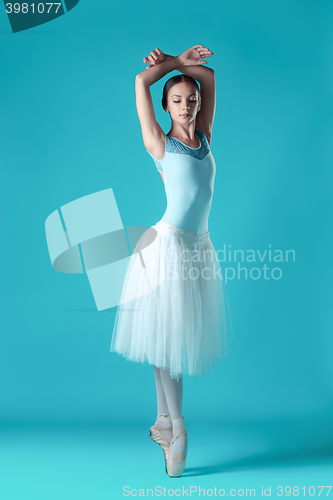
[{"x": 181, "y": 94}]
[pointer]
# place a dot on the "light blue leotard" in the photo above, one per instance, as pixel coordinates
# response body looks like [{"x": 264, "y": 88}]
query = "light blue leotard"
[{"x": 188, "y": 175}]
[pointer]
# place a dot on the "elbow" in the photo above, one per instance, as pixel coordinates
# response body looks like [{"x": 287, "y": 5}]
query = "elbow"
[
  {"x": 142, "y": 79},
  {"x": 139, "y": 77}
]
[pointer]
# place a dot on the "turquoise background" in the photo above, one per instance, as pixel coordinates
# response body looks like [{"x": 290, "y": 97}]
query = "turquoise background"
[{"x": 75, "y": 417}]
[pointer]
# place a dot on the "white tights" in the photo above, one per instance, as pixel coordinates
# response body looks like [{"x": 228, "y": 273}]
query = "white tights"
[{"x": 169, "y": 394}]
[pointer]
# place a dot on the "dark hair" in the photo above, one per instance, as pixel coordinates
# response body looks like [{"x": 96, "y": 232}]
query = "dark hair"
[{"x": 172, "y": 81}]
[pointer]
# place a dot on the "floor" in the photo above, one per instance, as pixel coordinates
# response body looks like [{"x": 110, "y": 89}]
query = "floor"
[{"x": 110, "y": 461}]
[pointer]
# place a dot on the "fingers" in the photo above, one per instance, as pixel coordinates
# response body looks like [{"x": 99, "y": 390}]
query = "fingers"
[
  {"x": 154, "y": 55},
  {"x": 205, "y": 53},
  {"x": 151, "y": 58}
]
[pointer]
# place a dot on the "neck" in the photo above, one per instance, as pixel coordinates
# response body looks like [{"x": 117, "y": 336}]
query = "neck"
[{"x": 186, "y": 131}]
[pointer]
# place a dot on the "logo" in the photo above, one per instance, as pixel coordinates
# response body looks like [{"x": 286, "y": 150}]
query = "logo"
[{"x": 87, "y": 236}]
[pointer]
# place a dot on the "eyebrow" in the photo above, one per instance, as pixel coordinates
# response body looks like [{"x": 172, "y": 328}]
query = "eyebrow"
[{"x": 176, "y": 95}]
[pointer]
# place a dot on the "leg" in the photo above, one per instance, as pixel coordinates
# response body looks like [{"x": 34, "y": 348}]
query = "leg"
[
  {"x": 163, "y": 419},
  {"x": 162, "y": 407},
  {"x": 173, "y": 391},
  {"x": 180, "y": 394}
]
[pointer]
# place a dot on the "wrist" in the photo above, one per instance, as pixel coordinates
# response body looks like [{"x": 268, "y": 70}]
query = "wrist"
[
  {"x": 179, "y": 61},
  {"x": 176, "y": 60}
]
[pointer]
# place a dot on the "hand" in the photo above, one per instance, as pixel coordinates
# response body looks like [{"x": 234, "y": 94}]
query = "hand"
[
  {"x": 192, "y": 56},
  {"x": 155, "y": 57}
]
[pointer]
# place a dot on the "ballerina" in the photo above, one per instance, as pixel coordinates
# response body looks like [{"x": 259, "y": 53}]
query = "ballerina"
[{"x": 173, "y": 311}]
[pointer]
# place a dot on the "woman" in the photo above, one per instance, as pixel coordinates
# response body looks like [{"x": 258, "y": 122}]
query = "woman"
[{"x": 173, "y": 311}]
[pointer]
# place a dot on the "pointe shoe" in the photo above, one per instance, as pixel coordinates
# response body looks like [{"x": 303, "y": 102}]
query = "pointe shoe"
[
  {"x": 174, "y": 468},
  {"x": 155, "y": 435}
]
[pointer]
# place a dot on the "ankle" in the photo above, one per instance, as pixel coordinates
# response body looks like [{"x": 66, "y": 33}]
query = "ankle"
[
  {"x": 177, "y": 423},
  {"x": 164, "y": 419},
  {"x": 163, "y": 416}
]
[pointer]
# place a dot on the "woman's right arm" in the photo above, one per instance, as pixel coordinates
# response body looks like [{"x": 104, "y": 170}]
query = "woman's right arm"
[{"x": 153, "y": 135}]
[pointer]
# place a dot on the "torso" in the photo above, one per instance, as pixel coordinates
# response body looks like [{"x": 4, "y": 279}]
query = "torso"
[{"x": 188, "y": 174}]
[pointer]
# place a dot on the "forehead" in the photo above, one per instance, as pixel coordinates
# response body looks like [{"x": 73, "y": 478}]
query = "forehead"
[{"x": 183, "y": 89}]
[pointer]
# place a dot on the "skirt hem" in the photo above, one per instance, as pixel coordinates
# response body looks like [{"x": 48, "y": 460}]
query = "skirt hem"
[{"x": 175, "y": 375}]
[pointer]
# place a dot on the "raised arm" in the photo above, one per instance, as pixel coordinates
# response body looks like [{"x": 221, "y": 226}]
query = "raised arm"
[
  {"x": 192, "y": 65},
  {"x": 205, "y": 116},
  {"x": 153, "y": 135}
]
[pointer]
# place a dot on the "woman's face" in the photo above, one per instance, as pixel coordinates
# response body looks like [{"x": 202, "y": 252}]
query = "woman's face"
[{"x": 183, "y": 102}]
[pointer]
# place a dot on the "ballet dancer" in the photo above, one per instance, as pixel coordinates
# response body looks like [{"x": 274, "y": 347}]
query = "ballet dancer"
[{"x": 183, "y": 325}]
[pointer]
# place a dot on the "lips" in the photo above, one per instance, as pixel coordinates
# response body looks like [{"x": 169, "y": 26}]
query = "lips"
[{"x": 185, "y": 115}]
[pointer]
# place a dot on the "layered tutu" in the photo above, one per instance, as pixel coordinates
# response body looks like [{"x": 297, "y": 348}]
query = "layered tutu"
[{"x": 173, "y": 311}]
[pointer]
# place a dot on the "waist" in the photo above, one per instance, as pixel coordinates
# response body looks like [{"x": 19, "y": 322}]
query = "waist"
[{"x": 179, "y": 230}]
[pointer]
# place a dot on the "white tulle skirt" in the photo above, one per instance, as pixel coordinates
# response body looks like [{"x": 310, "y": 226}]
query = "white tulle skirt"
[{"x": 173, "y": 311}]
